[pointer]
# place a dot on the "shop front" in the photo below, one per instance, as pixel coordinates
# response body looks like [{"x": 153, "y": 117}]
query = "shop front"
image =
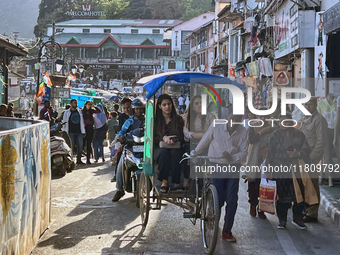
[{"x": 332, "y": 30}]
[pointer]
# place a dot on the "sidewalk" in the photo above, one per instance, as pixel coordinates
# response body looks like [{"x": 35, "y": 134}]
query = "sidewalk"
[{"x": 330, "y": 200}]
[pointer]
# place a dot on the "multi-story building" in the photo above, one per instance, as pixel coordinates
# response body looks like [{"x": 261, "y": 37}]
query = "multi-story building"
[
  {"x": 176, "y": 38},
  {"x": 112, "y": 49}
]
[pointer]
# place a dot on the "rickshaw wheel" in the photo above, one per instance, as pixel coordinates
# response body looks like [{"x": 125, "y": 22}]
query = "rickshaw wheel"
[
  {"x": 144, "y": 198},
  {"x": 210, "y": 219}
]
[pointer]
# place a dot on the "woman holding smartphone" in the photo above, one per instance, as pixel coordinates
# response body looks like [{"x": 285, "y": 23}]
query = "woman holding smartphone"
[{"x": 169, "y": 136}]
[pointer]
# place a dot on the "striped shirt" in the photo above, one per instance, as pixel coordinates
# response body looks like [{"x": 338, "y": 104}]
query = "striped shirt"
[{"x": 219, "y": 140}]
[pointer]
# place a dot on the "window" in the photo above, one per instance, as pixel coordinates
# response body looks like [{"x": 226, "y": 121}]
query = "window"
[
  {"x": 86, "y": 30},
  {"x": 107, "y": 31},
  {"x": 156, "y": 31},
  {"x": 134, "y": 31},
  {"x": 172, "y": 64},
  {"x": 59, "y": 30},
  {"x": 129, "y": 53},
  {"x": 91, "y": 53},
  {"x": 147, "y": 53}
]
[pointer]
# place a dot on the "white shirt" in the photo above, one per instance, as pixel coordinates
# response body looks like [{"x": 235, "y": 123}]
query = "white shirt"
[
  {"x": 181, "y": 101},
  {"x": 219, "y": 140}
]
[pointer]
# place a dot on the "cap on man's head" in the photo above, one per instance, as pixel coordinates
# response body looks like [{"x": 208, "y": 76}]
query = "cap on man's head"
[{"x": 314, "y": 99}]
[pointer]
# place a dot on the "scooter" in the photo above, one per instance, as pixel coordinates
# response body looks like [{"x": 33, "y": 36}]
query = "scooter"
[
  {"x": 61, "y": 153},
  {"x": 132, "y": 156}
]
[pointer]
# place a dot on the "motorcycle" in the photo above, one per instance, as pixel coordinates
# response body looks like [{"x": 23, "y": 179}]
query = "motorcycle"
[
  {"x": 61, "y": 153},
  {"x": 132, "y": 155}
]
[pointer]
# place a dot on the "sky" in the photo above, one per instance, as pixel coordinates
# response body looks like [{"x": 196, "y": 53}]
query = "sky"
[{"x": 19, "y": 16}]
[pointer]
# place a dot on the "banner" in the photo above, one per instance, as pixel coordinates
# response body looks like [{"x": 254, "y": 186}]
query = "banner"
[{"x": 320, "y": 57}]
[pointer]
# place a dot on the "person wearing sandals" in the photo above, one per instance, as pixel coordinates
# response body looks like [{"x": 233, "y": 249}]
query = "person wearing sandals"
[
  {"x": 258, "y": 139},
  {"x": 100, "y": 130},
  {"x": 169, "y": 137},
  {"x": 195, "y": 125}
]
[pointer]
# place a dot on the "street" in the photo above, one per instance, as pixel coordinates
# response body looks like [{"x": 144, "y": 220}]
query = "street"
[{"x": 85, "y": 221}]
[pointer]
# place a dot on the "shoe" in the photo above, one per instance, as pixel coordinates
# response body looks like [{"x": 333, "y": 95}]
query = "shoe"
[
  {"x": 103, "y": 159},
  {"x": 299, "y": 224},
  {"x": 228, "y": 237},
  {"x": 282, "y": 225},
  {"x": 253, "y": 211},
  {"x": 80, "y": 163},
  {"x": 96, "y": 161},
  {"x": 113, "y": 179},
  {"x": 261, "y": 215},
  {"x": 118, "y": 195},
  {"x": 309, "y": 219}
]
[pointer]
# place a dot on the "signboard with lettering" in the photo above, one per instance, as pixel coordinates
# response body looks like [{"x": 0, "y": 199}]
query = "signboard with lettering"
[
  {"x": 110, "y": 60},
  {"x": 176, "y": 43},
  {"x": 284, "y": 18},
  {"x": 86, "y": 12},
  {"x": 332, "y": 19}
]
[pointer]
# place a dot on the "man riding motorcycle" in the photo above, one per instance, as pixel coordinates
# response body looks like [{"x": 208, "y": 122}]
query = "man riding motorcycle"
[{"x": 134, "y": 122}]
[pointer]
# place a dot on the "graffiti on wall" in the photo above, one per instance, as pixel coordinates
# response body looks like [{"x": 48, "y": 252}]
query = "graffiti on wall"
[{"x": 24, "y": 188}]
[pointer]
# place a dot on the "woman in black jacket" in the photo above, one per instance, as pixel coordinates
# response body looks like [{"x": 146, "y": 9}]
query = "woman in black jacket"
[{"x": 169, "y": 131}]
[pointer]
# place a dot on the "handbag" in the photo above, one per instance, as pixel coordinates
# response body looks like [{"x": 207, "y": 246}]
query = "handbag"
[
  {"x": 164, "y": 145},
  {"x": 105, "y": 143},
  {"x": 267, "y": 196}
]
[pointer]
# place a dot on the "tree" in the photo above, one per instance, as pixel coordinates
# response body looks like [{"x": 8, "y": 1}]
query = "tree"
[
  {"x": 193, "y": 8},
  {"x": 137, "y": 9},
  {"x": 169, "y": 9},
  {"x": 51, "y": 10},
  {"x": 114, "y": 9}
]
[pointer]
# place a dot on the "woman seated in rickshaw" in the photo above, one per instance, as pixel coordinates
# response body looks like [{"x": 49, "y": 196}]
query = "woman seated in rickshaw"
[
  {"x": 195, "y": 125},
  {"x": 169, "y": 137}
]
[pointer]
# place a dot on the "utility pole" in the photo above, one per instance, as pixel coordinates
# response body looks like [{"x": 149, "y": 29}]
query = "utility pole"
[{"x": 53, "y": 47}]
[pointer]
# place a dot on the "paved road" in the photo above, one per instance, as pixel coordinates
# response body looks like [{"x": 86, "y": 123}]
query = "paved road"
[{"x": 85, "y": 221}]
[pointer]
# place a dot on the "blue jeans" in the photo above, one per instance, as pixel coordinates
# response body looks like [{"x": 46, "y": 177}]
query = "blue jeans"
[
  {"x": 77, "y": 138},
  {"x": 227, "y": 189},
  {"x": 98, "y": 149},
  {"x": 119, "y": 174}
]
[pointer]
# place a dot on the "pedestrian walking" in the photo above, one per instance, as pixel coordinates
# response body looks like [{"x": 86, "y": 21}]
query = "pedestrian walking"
[
  {"x": 112, "y": 126},
  {"x": 286, "y": 147},
  {"x": 327, "y": 108},
  {"x": 45, "y": 111},
  {"x": 74, "y": 125},
  {"x": 315, "y": 129},
  {"x": 100, "y": 130},
  {"x": 259, "y": 137},
  {"x": 88, "y": 112},
  {"x": 229, "y": 142}
]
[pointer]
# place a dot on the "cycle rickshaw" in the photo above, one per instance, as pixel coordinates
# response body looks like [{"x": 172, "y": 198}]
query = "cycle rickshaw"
[{"x": 201, "y": 201}]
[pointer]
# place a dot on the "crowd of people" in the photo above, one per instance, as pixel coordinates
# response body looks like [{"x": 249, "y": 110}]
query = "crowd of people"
[
  {"x": 237, "y": 145},
  {"x": 88, "y": 128},
  {"x": 229, "y": 145}
]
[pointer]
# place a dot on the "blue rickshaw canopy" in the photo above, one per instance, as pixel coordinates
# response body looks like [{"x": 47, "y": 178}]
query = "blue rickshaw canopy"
[{"x": 154, "y": 82}]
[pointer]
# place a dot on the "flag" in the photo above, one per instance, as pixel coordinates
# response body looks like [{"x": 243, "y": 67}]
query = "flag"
[
  {"x": 70, "y": 78},
  {"x": 41, "y": 92},
  {"x": 47, "y": 80}
]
